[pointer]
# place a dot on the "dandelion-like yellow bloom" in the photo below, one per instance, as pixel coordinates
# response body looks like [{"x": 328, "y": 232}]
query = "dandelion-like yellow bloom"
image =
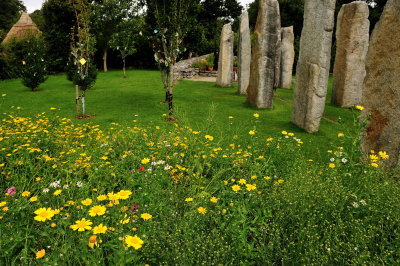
[
  {"x": 87, "y": 202},
  {"x": 340, "y": 135},
  {"x": 145, "y": 161},
  {"x": 25, "y": 194},
  {"x": 124, "y": 194},
  {"x": 82, "y": 225},
  {"x": 97, "y": 210},
  {"x": 256, "y": 115},
  {"x": 93, "y": 242},
  {"x": 43, "y": 214},
  {"x": 102, "y": 197},
  {"x": 113, "y": 196},
  {"x": 236, "y": 188},
  {"x": 211, "y": 138},
  {"x": 284, "y": 132},
  {"x": 383, "y": 155},
  {"x": 146, "y": 216},
  {"x": 100, "y": 229},
  {"x": 375, "y": 165},
  {"x": 250, "y": 187},
  {"x": 252, "y": 132},
  {"x": 3, "y": 203},
  {"x": 267, "y": 177},
  {"x": 202, "y": 210},
  {"x": 332, "y": 165},
  {"x": 359, "y": 107},
  {"x": 374, "y": 157},
  {"x": 134, "y": 241},
  {"x": 230, "y": 117},
  {"x": 189, "y": 199},
  {"x": 214, "y": 200},
  {"x": 40, "y": 254},
  {"x": 242, "y": 181},
  {"x": 57, "y": 192}
]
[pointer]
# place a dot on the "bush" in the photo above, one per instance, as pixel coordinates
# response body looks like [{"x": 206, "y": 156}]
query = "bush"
[{"x": 34, "y": 64}]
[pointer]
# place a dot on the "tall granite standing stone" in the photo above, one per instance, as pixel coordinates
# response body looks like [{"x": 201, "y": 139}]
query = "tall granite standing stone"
[
  {"x": 287, "y": 59},
  {"x": 313, "y": 65},
  {"x": 266, "y": 55},
  {"x": 381, "y": 94},
  {"x": 352, "y": 40},
  {"x": 225, "y": 62},
  {"x": 244, "y": 54}
]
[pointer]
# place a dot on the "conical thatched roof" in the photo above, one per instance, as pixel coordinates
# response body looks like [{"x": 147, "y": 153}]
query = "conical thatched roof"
[{"x": 22, "y": 28}]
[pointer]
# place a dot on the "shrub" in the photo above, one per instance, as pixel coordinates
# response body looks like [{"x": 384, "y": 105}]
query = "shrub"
[{"x": 34, "y": 64}]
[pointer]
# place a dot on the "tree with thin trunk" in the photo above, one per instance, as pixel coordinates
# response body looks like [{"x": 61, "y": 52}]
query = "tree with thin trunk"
[
  {"x": 107, "y": 16},
  {"x": 172, "y": 19},
  {"x": 125, "y": 39},
  {"x": 82, "y": 52}
]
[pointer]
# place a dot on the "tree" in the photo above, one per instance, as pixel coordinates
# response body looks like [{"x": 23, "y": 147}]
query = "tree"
[
  {"x": 10, "y": 12},
  {"x": 107, "y": 15},
  {"x": 58, "y": 19},
  {"x": 82, "y": 51},
  {"x": 172, "y": 19},
  {"x": 34, "y": 64},
  {"x": 125, "y": 38}
]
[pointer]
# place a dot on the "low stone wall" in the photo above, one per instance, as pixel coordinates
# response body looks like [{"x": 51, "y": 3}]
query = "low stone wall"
[{"x": 184, "y": 69}]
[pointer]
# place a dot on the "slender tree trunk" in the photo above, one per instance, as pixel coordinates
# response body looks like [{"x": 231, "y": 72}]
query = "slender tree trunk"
[
  {"x": 170, "y": 91},
  {"x": 124, "y": 67},
  {"x": 77, "y": 100},
  {"x": 83, "y": 104},
  {"x": 105, "y": 59}
]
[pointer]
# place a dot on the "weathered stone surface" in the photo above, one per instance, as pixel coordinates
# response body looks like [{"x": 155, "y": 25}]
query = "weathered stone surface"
[
  {"x": 266, "y": 55},
  {"x": 313, "y": 65},
  {"x": 352, "y": 40},
  {"x": 381, "y": 93},
  {"x": 225, "y": 62},
  {"x": 244, "y": 54},
  {"x": 287, "y": 59}
]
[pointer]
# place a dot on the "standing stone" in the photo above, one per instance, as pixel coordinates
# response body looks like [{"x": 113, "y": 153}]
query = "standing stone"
[
  {"x": 225, "y": 62},
  {"x": 352, "y": 40},
  {"x": 287, "y": 59},
  {"x": 313, "y": 65},
  {"x": 266, "y": 55},
  {"x": 381, "y": 95},
  {"x": 244, "y": 54}
]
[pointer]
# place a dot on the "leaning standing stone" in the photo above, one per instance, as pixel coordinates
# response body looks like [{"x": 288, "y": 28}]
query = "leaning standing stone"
[
  {"x": 313, "y": 65},
  {"x": 287, "y": 59},
  {"x": 381, "y": 95},
  {"x": 352, "y": 39},
  {"x": 266, "y": 55},
  {"x": 244, "y": 54},
  {"x": 225, "y": 62}
]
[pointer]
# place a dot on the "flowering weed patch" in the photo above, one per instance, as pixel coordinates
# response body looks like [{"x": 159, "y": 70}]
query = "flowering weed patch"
[{"x": 156, "y": 194}]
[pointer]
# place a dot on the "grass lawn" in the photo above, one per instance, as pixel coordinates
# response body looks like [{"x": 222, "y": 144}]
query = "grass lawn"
[{"x": 200, "y": 105}]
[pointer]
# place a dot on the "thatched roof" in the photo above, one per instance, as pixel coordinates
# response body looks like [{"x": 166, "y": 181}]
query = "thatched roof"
[{"x": 22, "y": 28}]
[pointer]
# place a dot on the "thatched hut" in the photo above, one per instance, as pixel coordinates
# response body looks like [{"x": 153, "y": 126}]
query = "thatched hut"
[{"x": 22, "y": 28}]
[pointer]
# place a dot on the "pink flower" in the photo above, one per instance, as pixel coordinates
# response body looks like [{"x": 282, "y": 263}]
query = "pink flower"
[{"x": 11, "y": 191}]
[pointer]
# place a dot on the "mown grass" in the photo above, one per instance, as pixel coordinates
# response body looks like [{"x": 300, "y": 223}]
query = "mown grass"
[
  {"x": 200, "y": 105},
  {"x": 216, "y": 194}
]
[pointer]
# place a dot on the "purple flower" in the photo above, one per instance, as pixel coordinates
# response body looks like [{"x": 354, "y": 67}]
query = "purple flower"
[{"x": 11, "y": 191}]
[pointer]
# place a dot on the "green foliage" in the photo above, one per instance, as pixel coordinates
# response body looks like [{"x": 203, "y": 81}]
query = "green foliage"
[
  {"x": 12, "y": 56},
  {"x": 10, "y": 12},
  {"x": 106, "y": 19},
  {"x": 34, "y": 64},
  {"x": 58, "y": 19},
  {"x": 126, "y": 37}
]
